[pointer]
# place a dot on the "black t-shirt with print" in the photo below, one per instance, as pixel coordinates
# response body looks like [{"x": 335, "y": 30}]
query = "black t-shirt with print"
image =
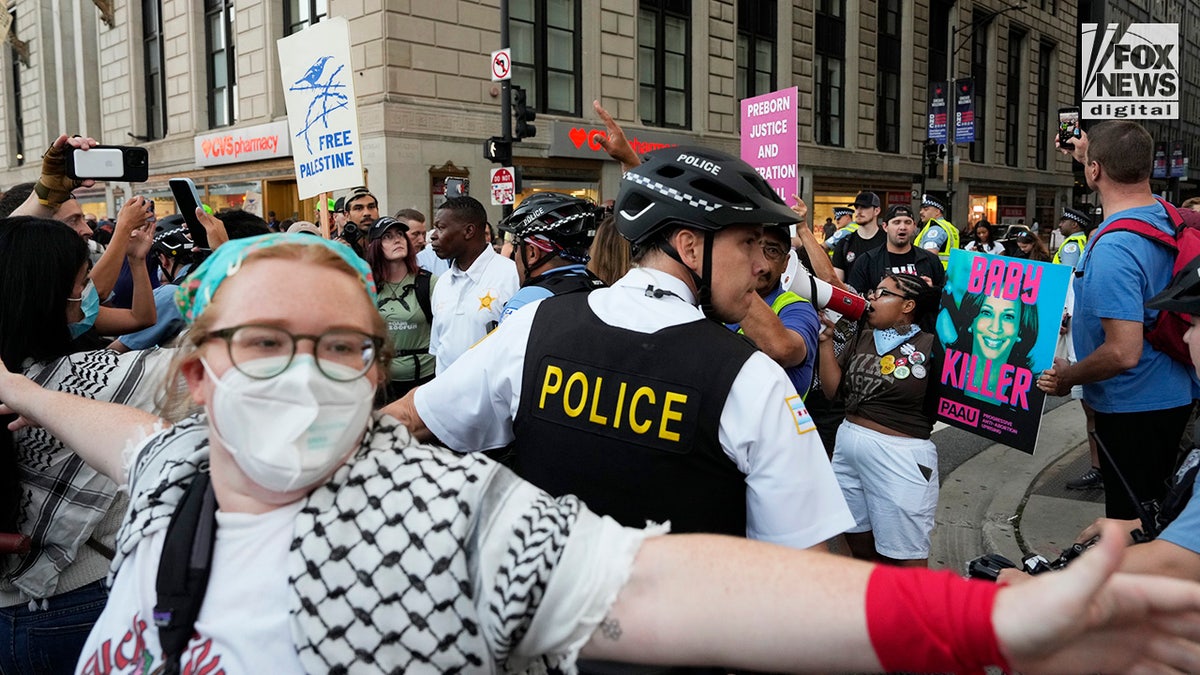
[{"x": 876, "y": 264}]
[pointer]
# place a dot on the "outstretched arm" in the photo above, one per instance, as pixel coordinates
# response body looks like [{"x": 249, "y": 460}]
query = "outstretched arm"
[
  {"x": 803, "y": 611},
  {"x": 405, "y": 410},
  {"x": 97, "y": 431}
]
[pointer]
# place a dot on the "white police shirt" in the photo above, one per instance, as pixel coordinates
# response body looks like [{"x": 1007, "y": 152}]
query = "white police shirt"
[
  {"x": 467, "y": 304},
  {"x": 792, "y": 497}
]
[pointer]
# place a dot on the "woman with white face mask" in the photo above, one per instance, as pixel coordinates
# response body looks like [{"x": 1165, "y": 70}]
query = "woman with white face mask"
[{"x": 320, "y": 537}]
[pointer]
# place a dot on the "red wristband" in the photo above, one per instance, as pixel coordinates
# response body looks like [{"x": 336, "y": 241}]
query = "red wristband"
[{"x": 931, "y": 622}]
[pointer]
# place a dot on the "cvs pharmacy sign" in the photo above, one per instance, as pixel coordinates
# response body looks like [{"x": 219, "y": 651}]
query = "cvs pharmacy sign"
[
  {"x": 262, "y": 141},
  {"x": 583, "y": 140},
  {"x": 1131, "y": 72}
]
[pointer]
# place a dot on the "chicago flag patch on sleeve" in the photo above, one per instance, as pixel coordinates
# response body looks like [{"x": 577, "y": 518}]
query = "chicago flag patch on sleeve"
[{"x": 804, "y": 421}]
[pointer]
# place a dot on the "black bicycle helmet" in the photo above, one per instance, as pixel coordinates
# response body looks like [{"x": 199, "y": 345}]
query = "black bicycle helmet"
[
  {"x": 171, "y": 237},
  {"x": 694, "y": 187},
  {"x": 567, "y": 222}
]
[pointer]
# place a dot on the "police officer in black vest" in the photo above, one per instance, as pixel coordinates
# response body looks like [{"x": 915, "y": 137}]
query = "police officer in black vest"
[
  {"x": 552, "y": 233},
  {"x": 635, "y": 397}
]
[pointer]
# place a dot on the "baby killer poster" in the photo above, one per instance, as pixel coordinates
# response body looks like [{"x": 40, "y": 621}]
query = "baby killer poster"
[{"x": 997, "y": 331}]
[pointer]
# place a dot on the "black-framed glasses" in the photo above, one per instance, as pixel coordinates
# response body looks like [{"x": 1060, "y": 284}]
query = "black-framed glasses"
[
  {"x": 773, "y": 251},
  {"x": 262, "y": 352},
  {"x": 874, "y": 293}
]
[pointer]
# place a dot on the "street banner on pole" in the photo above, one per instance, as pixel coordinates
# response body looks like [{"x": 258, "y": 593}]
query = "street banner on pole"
[
  {"x": 318, "y": 88},
  {"x": 1131, "y": 72},
  {"x": 964, "y": 111},
  {"x": 937, "y": 112},
  {"x": 1178, "y": 160},
  {"x": 997, "y": 331},
  {"x": 1159, "y": 168},
  {"x": 769, "y": 139}
]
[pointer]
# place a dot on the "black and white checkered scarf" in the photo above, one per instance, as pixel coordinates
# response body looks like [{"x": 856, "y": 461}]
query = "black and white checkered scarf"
[{"x": 410, "y": 558}]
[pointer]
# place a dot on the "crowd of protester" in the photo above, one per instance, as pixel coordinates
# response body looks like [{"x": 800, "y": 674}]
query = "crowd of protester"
[{"x": 459, "y": 445}]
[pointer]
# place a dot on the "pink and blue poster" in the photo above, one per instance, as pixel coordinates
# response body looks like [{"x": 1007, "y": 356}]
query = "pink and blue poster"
[{"x": 997, "y": 331}]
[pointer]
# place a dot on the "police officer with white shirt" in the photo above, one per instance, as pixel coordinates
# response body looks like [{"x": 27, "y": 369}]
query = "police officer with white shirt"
[
  {"x": 634, "y": 397},
  {"x": 470, "y": 296}
]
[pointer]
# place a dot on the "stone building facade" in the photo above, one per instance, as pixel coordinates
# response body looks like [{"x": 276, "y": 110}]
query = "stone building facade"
[{"x": 165, "y": 73}]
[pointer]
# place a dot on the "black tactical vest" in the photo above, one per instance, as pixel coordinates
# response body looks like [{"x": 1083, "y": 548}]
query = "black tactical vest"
[{"x": 628, "y": 421}]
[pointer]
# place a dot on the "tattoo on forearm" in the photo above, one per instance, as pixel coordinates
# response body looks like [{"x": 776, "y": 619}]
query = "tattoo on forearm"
[{"x": 611, "y": 629}]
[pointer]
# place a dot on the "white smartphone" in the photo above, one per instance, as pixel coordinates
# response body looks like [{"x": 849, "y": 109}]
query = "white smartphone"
[{"x": 109, "y": 162}]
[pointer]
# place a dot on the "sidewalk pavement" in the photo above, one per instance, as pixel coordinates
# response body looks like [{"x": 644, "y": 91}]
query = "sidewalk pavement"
[{"x": 1005, "y": 501}]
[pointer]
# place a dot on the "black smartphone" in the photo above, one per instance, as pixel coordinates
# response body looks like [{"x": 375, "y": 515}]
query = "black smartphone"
[
  {"x": 1068, "y": 126},
  {"x": 456, "y": 187},
  {"x": 125, "y": 163},
  {"x": 187, "y": 200}
]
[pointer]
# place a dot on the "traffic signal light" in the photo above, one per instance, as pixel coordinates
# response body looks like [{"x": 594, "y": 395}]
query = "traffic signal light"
[
  {"x": 524, "y": 116},
  {"x": 498, "y": 150},
  {"x": 934, "y": 152}
]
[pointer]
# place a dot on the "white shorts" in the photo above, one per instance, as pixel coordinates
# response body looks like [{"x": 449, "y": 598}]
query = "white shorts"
[{"x": 888, "y": 493}]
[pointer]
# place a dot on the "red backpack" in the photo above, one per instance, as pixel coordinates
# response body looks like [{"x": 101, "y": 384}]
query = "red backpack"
[{"x": 1166, "y": 335}]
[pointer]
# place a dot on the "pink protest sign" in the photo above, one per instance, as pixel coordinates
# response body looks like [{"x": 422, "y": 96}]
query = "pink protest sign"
[{"x": 769, "y": 139}]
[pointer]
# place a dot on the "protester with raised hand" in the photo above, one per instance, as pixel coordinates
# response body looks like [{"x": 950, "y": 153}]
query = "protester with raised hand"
[{"x": 614, "y": 142}]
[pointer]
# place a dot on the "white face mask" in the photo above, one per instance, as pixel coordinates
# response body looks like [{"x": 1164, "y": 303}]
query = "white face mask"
[{"x": 290, "y": 431}]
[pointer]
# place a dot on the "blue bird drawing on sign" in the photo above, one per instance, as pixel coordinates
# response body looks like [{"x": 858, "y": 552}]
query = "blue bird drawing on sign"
[{"x": 326, "y": 96}]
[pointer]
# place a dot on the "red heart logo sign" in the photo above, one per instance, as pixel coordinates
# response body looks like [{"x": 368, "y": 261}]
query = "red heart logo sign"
[{"x": 578, "y": 136}]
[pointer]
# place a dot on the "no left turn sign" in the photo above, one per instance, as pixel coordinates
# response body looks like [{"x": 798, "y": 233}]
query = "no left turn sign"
[{"x": 501, "y": 65}]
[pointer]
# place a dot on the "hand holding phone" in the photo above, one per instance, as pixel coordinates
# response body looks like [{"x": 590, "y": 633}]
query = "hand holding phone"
[
  {"x": 187, "y": 200},
  {"x": 1068, "y": 127},
  {"x": 109, "y": 162}
]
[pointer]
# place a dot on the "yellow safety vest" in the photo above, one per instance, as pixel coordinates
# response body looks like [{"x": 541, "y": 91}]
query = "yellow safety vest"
[
  {"x": 785, "y": 298},
  {"x": 1079, "y": 237},
  {"x": 838, "y": 236},
  {"x": 951, "y": 238}
]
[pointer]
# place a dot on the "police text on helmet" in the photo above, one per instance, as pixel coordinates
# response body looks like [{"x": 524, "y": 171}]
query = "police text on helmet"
[{"x": 699, "y": 163}]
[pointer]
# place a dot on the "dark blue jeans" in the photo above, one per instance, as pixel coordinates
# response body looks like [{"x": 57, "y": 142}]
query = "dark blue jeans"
[{"x": 49, "y": 641}]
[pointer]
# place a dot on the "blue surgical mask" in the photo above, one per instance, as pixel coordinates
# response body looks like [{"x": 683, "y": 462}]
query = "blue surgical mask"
[{"x": 89, "y": 302}]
